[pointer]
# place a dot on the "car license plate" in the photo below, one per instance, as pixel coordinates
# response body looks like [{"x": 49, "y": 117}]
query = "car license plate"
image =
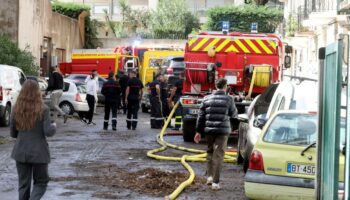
[
  {"x": 301, "y": 169},
  {"x": 194, "y": 111}
]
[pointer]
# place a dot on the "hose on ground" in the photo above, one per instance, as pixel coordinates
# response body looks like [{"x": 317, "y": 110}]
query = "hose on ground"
[{"x": 200, "y": 156}]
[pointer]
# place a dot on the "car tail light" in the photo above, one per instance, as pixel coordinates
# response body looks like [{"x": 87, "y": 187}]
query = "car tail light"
[
  {"x": 189, "y": 101},
  {"x": 78, "y": 98},
  {"x": 256, "y": 161},
  {"x": 1, "y": 94}
]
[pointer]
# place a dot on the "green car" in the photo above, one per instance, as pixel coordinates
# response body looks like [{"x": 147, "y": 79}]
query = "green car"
[{"x": 283, "y": 162}]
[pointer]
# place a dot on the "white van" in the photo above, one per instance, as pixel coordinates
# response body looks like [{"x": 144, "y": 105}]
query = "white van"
[{"x": 11, "y": 80}]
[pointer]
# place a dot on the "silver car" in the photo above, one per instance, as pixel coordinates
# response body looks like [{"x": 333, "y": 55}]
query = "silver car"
[
  {"x": 73, "y": 99},
  {"x": 281, "y": 96}
]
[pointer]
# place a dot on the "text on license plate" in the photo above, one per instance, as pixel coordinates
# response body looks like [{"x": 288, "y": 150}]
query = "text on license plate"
[
  {"x": 301, "y": 169},
  {"x": 194, "y": 111}
]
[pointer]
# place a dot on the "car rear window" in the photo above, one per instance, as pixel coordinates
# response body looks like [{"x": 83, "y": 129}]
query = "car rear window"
[
  {"x": 81, "y": 88},
  {"x": 297, "y": 129},
  {"x": 292, "y": 129}
]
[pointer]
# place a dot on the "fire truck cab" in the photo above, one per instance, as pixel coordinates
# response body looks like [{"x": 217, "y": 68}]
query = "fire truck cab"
[{"x": 249, "y": 61}]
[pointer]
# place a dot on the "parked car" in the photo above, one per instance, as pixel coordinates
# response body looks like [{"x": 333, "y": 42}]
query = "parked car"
[
  {"x": 80, "y": 78},
  {"x": 73, "y": 98},
  {"x": 172, "y": 67},
  {"x": 283, "y": 161},
  {"x": 281, "y": 96},
  {"x": 11, "y": 80},
  {"x": 41, "y": 81}
]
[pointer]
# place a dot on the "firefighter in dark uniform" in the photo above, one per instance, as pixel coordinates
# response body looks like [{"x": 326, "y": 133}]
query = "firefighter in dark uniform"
[
  {"x": 176, "y": 93},
  {"x": 157, "y": 120},
  {"x": 133, "y": 96},
  {"x": 123, "y": 81},
  {"x": 111, "y": 91},
  {"x": 164, "y": 95}
]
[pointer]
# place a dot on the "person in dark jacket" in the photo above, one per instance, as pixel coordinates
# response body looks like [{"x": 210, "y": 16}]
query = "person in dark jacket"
[
  {"x": 30, "y": 125},
  {"x": 175, "y": 95},
  {"x": 164, "y": 94},
  {"x": 123, "y": 81},
  {"x": 111, "y": 91},
  {"x": 55, "y": 87},
  {"x": 157, "y": 119},
  {"x": 214, "y": 121},
  {"x": 133, "y": 96}
]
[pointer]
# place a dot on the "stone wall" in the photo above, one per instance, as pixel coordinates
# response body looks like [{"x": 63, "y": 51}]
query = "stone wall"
[
  {"x": 47, "y": 34},
  {"x": 9, "y": 18}
]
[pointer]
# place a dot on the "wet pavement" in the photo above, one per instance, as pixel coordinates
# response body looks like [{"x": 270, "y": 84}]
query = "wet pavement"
[{"x": 89, "y": 163}]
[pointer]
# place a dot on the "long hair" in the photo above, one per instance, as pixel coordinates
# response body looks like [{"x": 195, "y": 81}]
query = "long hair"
[{"x": 29, "y": 106}]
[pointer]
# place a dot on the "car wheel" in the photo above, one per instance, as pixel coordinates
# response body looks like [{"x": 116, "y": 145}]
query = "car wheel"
[
  {"x": 189, "y": 129},
  {"x": 67, "y": 108},
  {"x": 144, "y": 108},
  {"x": 5, "y": 120}
]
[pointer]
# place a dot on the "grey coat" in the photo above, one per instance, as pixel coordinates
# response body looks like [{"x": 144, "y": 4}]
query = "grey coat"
[{"x": 31, "y": 146}]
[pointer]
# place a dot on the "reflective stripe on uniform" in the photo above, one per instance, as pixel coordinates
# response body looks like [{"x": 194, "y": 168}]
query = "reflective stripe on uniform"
[
  {"x": 129, "y": 120},
  {"x": 106, "y": 120},
  {"x": 178, "y": 117},
  {"x": 135, "y": 120},
  {"x": 161, "y": 118}
]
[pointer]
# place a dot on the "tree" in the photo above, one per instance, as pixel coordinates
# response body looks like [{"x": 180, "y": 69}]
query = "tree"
[
  {"x": 172, "y": 18},
  {"x": 10, "y": 54},
  {"x": 241, "y": 18}
]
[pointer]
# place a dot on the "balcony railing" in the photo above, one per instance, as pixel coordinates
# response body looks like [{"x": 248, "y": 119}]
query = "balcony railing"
[{"x": 315, "y": 7}]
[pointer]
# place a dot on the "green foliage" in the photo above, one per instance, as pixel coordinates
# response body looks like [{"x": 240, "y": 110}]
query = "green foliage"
[
  {"x": 292, "y": 26},
  {"x": 241, "y": 17},
  {"x": 73, "y": 10},
  {"x": 10, "y": 54},
  {"x": 170, "y": 20},
  {"x": 173, "y": 18}
]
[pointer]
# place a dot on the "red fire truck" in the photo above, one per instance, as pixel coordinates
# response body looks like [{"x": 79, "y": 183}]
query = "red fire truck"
[
  {"x": 103, "y": 60},
  {"x": 250, "y": 62}
]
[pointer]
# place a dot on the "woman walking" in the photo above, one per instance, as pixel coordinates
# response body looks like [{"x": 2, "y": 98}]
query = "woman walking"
[{"x": 30, "y": 125}]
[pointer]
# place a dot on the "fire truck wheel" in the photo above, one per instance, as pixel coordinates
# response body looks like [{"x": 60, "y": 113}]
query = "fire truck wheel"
[
  {"x": 5, "y": 119},
  {"x": 189, "y": 129}
]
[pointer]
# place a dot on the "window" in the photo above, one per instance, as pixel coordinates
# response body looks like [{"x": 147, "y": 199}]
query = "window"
[
  {"x": 282, "y": 104},
  {"x": 81, "y": 88},
  {"x": 66, "y": 87},
  {"x": 100, "y": 9},
  {"x": 22, "y": 78},
  {"x": 292, "y": 129},
  {"x": 276, "y": 104}
]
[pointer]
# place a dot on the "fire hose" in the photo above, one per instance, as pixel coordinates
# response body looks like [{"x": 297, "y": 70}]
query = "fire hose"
[{"x": 200, "y": 156}]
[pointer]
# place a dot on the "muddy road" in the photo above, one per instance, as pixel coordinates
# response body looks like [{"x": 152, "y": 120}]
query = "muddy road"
[{"x": 89, "y": 163}]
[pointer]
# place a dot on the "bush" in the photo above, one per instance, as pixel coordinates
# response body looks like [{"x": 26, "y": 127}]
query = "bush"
[
  {"x": 10, "y": 54},
  {"x": 172, "y": 18},
  {"x": 241, "y": 17},
  {"x": 73, "y": 10}
]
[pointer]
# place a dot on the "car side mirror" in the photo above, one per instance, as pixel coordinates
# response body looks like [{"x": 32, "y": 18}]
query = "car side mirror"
[
  {"x": 287, "y": 62},
  {"x": 260, "y": 121}
]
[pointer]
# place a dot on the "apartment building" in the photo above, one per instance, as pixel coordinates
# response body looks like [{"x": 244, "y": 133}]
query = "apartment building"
[{"x": 315, "y": 24}]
